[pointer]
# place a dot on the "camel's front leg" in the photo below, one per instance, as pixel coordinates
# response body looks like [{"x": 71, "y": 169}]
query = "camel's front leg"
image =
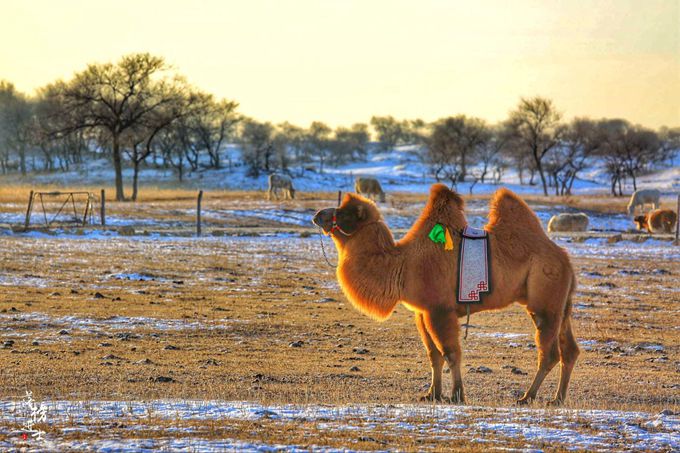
[
  {"x": 436, "y": 362},
  {"x": 442, "y": 325}
]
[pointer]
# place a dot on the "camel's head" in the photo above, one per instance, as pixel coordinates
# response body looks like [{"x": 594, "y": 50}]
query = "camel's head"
[
  {"x": 348, "y": 218},
  {"x": 641, "y": 222}
]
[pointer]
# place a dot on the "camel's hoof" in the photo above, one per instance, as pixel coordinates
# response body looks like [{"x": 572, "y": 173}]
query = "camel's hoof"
[
  {"x": 524, "y": 401},
  {"x": 431, "y": 397},
  {"x": 554, "y": 403}
]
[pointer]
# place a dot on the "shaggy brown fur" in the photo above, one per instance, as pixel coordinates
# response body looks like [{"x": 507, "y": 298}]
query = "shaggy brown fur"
[
  {"x": 659, "y": 221},
  {"x": 376, "y": 273}
]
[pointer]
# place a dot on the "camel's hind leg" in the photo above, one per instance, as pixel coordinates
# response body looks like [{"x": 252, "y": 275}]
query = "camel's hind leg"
[
  {"x": 436, "y": 362},
  {"x": 547, "y": 329},
  {"x": 569, "y": 352}
]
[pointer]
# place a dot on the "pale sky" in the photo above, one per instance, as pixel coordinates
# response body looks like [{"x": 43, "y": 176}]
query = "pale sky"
[{"x": 343, "y": 61}]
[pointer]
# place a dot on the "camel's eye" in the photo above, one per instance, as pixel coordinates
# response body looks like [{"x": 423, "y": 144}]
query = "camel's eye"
[{"x": 348, "y": 218}]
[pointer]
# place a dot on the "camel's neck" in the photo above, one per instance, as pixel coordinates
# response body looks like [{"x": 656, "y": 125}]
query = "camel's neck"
[{"x": 370, "y": 272}]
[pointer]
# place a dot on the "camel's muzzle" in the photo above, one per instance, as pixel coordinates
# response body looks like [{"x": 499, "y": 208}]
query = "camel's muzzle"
[{"x": 324, "y": 219}]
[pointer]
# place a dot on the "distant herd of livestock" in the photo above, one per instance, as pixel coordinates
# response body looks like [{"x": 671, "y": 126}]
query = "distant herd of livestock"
[{"x": 655, "y": 221}]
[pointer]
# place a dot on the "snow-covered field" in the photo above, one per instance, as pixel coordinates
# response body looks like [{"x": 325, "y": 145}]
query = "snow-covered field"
[
  {"x": 205, "y": 425},
  {"x": 253, "y": 291},
  {"x": 489, "y": 428},
  {"x": 400, "y": 170}
]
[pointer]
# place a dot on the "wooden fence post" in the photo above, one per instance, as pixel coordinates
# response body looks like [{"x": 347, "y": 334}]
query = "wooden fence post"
[
  {"x": 29, "y": 210},
  {"x": 198, "y": 213},
  {"x": 677, "y": 223},
  {"x": 339, "y": 196},
  {"x": 102, "y": 207},
  {"x": 88, "y": 209}
]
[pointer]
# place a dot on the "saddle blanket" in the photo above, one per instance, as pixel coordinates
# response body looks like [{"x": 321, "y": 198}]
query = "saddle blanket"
[{"x": 474, "y": 276}]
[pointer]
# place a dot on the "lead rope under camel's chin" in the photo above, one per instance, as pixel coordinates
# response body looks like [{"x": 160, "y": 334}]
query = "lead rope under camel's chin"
[{"x": 323, "y": 249}]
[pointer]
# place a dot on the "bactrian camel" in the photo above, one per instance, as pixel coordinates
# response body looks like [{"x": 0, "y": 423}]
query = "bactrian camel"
[{"x": 376, "y": 273}]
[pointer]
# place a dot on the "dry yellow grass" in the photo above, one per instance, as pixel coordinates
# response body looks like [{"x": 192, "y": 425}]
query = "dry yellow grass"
[
  {"x": 253, "y": 298},
  {"x": 221, "y": 318}
]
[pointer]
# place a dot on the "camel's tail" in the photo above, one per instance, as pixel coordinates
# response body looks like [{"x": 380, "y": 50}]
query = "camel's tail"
[
  {"x": 509, "y": 212},
  {"x": 572, "y": 290}
]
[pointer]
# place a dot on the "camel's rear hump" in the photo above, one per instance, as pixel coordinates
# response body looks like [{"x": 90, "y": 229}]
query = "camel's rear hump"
[{"x": 509, "y": 212}]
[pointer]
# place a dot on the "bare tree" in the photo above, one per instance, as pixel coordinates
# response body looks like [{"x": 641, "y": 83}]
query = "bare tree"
[
  {"x": 317, "y": 142},
  {"x": 489, "y": 151},
  {"x": 627, "y": 150},
  {"x": 349, "y": 144},
  {"x": 453, "y": 142},
  {"x": 389, "y": 131},
  {"x": 170, "y": 145},
  {"x": 642, "y": 147},
  {"x": 414, "y": 131},
  {"x": 59, "y": 149},
  {"x": 113, "y": 98},
  {"x": 535, "y": 126},
  {"x": 258, "y": 146},
  {"x": 294, "y": 138},
  {"x": 212, "y": 125},
  {"x": 16, "y": 112},
  {"x": 610, "y": 135},
  {"x": 579, "y": 144},
  {"x": 670, "y": 143}
]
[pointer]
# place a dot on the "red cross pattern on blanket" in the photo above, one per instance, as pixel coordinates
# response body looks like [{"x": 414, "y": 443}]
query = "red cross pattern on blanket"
[
  {"x": 482, "y": 286},
  {"x": 473, "y": 295}
]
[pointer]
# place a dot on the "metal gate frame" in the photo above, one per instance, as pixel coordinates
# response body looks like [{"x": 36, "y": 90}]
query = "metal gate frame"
[{"x": 70, "y": 196}]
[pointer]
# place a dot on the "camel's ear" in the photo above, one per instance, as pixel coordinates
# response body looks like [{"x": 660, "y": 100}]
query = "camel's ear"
[{"x": 361, "y": 212}]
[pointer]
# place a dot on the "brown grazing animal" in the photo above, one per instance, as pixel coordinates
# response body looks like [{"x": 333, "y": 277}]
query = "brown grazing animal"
[
  {"x": 376, "y": 273},
  {"x": 369, "y": 187},
  {"x": 282, "y": 183},
  {"x": 659, "y": 221}
]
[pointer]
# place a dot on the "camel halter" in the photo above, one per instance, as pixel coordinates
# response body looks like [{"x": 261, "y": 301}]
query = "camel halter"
[
  {"x": 336, "y": 227},
  {"x": 335, "y": 224}
]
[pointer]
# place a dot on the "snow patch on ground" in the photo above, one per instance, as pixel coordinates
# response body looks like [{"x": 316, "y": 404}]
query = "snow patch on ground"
[
  {"x": 598, "y": 247},
  {"x": 113, "y": 323},
  {"x": 286, "y": 216},
  {"x": 593, "y": 430}
]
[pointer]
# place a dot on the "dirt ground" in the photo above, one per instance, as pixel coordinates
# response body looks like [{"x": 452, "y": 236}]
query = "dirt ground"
[{"x": 261, "y": 318}]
